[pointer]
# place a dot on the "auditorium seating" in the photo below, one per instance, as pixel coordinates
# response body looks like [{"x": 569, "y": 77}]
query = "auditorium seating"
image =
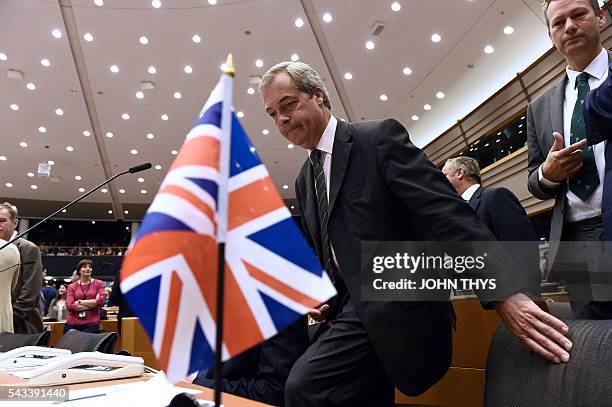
[
  {"x": 10, "y": 341},
  {"x": 77, "y": 341},
  {"x": 517, "y": 377}
]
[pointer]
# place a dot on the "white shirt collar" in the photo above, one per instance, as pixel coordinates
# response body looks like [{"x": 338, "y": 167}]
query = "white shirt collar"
[
  {"x": 14, "y": 234},
  {"x": 468, "y": 193},
  {"x": 326, "y": 142},
  {"x": 597, "y": 68}
]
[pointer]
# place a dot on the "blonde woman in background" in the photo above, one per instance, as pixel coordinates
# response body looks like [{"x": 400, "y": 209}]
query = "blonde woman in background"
[
  {"x": 57, "y": 308},
  {"x": 9, "y": 266}
]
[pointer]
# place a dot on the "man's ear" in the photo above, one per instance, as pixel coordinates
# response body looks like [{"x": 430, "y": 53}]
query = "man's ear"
[
  {"x": 318, "y": 95},
  {"x": 460, "y": 173}
]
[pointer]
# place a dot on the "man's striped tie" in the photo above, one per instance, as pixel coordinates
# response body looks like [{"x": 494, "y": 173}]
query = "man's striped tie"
[{"x": 321, "y": 190}]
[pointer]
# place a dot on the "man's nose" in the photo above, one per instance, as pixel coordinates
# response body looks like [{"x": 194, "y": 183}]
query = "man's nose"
[{"x": 570, "y": 25}]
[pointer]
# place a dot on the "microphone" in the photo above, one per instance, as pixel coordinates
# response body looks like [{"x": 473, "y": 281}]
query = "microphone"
[
  {"x": 140, "y": 167},
  {"x": 132, "y": 170}
]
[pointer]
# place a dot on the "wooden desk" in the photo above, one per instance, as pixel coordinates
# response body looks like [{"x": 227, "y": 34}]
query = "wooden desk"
[{"x": 207, "y": 394}]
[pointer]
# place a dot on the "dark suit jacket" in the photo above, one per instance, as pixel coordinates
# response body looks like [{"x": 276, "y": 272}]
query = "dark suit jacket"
[
  {"x": 260, "y": 373},
  {"x": 598, "y": 123},
  {"x": 383, "y": 188},
  {"x": 502, "y": 212},
  {"x": 545, "y": 116},
  {"x": 26, "y": 295}
]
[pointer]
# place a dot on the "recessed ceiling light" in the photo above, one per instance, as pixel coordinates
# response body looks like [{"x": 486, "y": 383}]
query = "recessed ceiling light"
[
  {"x": 150, "y": 136},
  {"x": 395, "y": 6},
  {"x": 140, "y": 179},
  {"x": 51, "y": 162},
  {"x": 143, "y": 191},
  {"x": 114, "y": 68},
  {"x": 34, "y": 186},
  {"x": 122, "y": 191},
  {"x": 143, "y": 40},
  {"x": 77, "y": 177},
  {"x": 81, "y": 189},
  {"x": 99, "y": 3},
  {"x": 45, "y": 62},
  {"x": 88, "y": 37},
  {"x": 133, "y": 151},
  {"x": 415, "y": 117},
  {"x": 110, "y": 212},
  {"x": 240, "y": 115},
  {"x": 177, "y": 95},
  {"x": 348, "y": 76},
  {"x": 2, "y": 158},
  {"x": 427, "y": 107},
  {"x": 63, "y": 210},
  {"x": 69, "y": 148},
  {"x": 126, "y": 212},
  {"x": 93, "y": 222},
  {"x": 290, "y": 146},
  {"x": 42, "y": 129},
  {"x": 59, "y": 112},
  {"x": 158, "y": 167},
  {"x": 259, "y": 63},
  {"x": 14, "y": 107},
  {"x": 196, "y": 39},
  {"x": 139, "y": 95},
  {"x": 299, "y": 23},
  {"x": 489, "y": 49},
  {"x": 109, "y": 134},
  {"x": 152, "y": 70},
  {"x": 327, "y": 17},
  {"x": 212, "y": 2},
  {"x": 188, "y": 69},
  {"x": 407, "y": 71},
  {"x": 292, "y": 207},
  {"x": 164, "y": 117},
  {"x": 31, "y": 86},
  {"x": 250, "y": 91},
  {"x": 383, "y": 97},
  {"x": 436, "y": 38},
  {"x": 508, "y": 30},
  {"x": 295, "y": 57},
  {"x": 440, "y": 95},
  {"x": 9, "y": 185},
  {"x": 370, "y": 44},
  {"x": 30, "y": 174},
  {"x": 156, "y": 3},
  {"x": 3, "y": 56},
  {"x": 252, "y": 149},
  {"x": 174, "y": 152},
  {"x": 285, "y": 186},
  {"x": 125, "y": 116},
  {"x": 265, "y": 132},
  {"x": 23, "y": 144}
]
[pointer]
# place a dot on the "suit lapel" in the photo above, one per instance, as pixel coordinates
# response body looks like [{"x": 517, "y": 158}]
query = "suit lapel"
[
  {"x": 556, "y": 108},
  {"x": 340, "y": 158},
  {"x": 475, "y": 199},
  {"x": 311, "y": 212}
]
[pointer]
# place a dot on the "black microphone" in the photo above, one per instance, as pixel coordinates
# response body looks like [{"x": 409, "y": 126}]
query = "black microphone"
[
  {"x": 132, "y": 170},
  {"x": 140, "y": 167}
]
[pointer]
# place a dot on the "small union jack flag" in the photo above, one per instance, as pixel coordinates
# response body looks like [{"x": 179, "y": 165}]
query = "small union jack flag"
[{"x": 169, "y": 275}]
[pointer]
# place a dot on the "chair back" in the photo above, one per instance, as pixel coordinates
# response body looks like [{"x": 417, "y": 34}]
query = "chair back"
[
  {"x": 77, "y": 341},
  {"x": 10, "y": 341}
]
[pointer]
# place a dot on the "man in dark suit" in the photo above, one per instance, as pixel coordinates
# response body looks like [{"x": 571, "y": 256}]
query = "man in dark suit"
[
  {"x": 26, "y": 296},
  {"x": 560, "y": 164},
  {"x": 367, "y": 182},
  {"x": 260, "y": 373},
  {"x": 503, "y": 214}
]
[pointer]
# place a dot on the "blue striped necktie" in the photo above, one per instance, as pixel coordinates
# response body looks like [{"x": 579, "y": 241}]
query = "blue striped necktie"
[{"x": 322, "y": 206}]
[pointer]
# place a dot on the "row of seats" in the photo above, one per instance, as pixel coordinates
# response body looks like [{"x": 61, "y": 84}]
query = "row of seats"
[{"x": 73, "y": 340}]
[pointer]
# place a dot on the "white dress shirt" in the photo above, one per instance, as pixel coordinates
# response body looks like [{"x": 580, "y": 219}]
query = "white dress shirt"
[
  {"x": 468, "y": 193},
  {"x": 326, "y": 145},
  {"x": 577, "y": 209}
]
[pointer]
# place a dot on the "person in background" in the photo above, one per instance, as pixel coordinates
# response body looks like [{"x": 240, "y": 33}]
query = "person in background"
[
  {"x": 107, "y": 294},
  {"x": 48, "y": 292},
  {"x": 9, "y": 264},
  {"x": 57, "y": 308},
  {"x": 84, "y": 299}
]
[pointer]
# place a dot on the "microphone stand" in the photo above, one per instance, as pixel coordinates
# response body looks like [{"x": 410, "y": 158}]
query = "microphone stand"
[{"x": 131, "y": 170}]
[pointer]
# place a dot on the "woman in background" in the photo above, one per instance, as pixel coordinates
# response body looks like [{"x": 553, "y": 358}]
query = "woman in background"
[
  {"x": 9, "y": 264},
  {"x": 57, "y": 308},
  {"x": 84, "y": 299}
]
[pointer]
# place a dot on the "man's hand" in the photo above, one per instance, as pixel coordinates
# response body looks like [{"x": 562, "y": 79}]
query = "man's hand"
[
  {"x": 562, "y": 163},
  {"x": 319, "y": 314},
  {"x": 539, "y": 331}
]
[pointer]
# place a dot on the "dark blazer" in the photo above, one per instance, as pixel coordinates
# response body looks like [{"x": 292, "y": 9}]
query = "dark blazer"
[
  {"x": 598, "y": 123},
  {"x": 503, "y": 213},
  {"x": 260, "y": 373},
  {"x": 545, "y": 116},
  {"x": 383, "y": 188},
  {"x": 26, "y": 295}
]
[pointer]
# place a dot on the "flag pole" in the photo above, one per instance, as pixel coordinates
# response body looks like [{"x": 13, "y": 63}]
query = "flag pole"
[{"x": 222, "y": 213}]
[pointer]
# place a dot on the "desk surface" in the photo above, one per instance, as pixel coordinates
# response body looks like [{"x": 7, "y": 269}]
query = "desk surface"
[{"x": 228, "y": 400}]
